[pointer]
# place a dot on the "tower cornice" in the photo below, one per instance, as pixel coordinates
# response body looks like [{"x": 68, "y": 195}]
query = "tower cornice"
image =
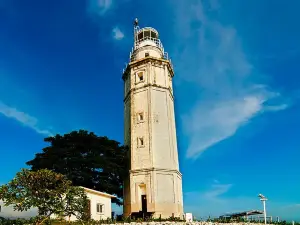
[
  {"x": 148, "y": 85},
  {"x": 146, "y": 60},
  {"x": 155, "y": 169}
]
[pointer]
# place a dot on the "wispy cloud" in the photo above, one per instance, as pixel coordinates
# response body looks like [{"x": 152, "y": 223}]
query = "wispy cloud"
[
  {"x": 213, "y": 193},
  {"x": 216, "y": 200},
  {"x": 217, "y": 190},
  {"x": 214, "y": 63},
  {"x": 276, "y": 107},
  {"x": 211, "y": 202},
  {"x": 292, "y": 206},
  {"x": 23, "y": 118},
  {"x": 117, "y": 33},
  {"x": 99, "y": 7}
]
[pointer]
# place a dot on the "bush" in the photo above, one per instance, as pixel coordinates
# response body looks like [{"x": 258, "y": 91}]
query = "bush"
[{"x": 4, "y": 221}]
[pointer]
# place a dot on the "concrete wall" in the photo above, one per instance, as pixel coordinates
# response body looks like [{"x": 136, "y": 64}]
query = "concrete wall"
[
  {"x": 106, "y": 201},
  {"x": 152, "y": 51}
]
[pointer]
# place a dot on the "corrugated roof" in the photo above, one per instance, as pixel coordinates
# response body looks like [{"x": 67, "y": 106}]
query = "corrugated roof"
[{"x": 245, "y": 213}]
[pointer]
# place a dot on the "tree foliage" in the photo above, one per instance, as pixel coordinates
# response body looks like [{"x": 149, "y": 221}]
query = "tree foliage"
[
  {"x": 87, "y": 160},
  {"x": 49, "y": 192},
  {"x": 76, "y": 204}
]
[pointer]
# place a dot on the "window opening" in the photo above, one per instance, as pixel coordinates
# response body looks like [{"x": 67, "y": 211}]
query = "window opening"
[
  {"x": 100, "y": 208},
  {"x": 141, "y": 142},
  {"x": 140, "y": 76},
  {"x": 141, "y": 117}
]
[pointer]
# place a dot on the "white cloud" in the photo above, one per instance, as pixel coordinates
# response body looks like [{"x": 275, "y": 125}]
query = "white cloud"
[
  {"x": 216, "y": 181},
  {"x": 99, "y": 7},
  {"x": 117, "y": 34},
  {"x": 216, "y": 191},
  {"x": 276, "y": 107},
  {"x": 210, "y": 202},
  {"x": 23, "y": 118},
  {"x": 214, "y": 62},
  {"x": 9, "y": 212}
]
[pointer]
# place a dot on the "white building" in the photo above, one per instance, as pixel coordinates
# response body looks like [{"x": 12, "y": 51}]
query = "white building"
[
  {"x": 154, "y": 183},
  {"x": 99, "y": 205}
]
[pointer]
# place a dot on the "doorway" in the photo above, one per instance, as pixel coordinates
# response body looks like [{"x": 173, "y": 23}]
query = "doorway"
[{"x": 144, "y": 203}]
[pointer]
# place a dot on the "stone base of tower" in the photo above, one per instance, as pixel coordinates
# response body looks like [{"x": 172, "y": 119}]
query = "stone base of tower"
[
  {"x": 163, "y": 211},
  {"x": 168, "y": 210},
  {"x": 155, "y": 192}
]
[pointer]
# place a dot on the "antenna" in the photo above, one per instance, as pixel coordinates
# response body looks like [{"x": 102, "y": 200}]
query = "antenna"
[{"x": 135, "y": 28}]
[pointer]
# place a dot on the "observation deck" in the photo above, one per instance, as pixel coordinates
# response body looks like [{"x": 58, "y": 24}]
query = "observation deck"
[{"x": 147, "y": 37}]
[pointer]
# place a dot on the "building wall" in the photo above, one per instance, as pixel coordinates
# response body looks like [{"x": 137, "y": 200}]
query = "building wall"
[
  {"x": 158, "y": 130},
  {"x": 103, "y": 200},
  {"x": 96, "y": 198},
  {"x": 151, "y": 50},
  {"x": 8, "y": 211}
]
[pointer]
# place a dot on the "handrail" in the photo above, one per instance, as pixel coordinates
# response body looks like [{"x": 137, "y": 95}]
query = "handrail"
[
  {"x": 155, "y": 40},
  {"x": 158, "y": 44}
]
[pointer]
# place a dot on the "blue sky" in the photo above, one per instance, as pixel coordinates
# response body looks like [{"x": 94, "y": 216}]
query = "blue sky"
[{"x": 236, "y": 89}]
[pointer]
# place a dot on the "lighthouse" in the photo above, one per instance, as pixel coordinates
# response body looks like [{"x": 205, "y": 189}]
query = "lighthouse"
[{"x": 153, "y": 186}]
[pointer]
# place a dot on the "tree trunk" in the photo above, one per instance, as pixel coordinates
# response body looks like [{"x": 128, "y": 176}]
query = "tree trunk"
[{"x": 42, "y": 221}]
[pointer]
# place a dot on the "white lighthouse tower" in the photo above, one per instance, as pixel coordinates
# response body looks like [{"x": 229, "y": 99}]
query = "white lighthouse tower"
[{"x": 154, "y": 183}]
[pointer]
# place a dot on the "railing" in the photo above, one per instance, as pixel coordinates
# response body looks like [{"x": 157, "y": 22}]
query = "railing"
[
  {"x": 155, "y": 40},
  {"x": 158, "y": 44}
]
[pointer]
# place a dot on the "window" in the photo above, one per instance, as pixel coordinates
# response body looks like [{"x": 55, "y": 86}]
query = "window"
[
  {"x": 146, "y": 54},
  {"x": 140, "y": 142},
  {"x": 147, "y": 34},
  {"x": 140, "y": 117},
  {"x": 140, "y": 36},
  {"x": 153, "y": 35},
  {"x": 140, "y": 76},
  {"x": 100, "y": 208}
]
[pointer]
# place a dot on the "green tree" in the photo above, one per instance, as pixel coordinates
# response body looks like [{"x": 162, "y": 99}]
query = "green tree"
[
  {"x": 49, "y": 192},
  {"x": 76, "y": 203},
  {"x": 87, "y": 160}
]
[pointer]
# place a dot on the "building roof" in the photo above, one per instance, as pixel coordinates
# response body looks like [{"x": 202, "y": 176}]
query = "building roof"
[
  {"x": 98, "y": 192},
  {"x": 245, "y": 213}
]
